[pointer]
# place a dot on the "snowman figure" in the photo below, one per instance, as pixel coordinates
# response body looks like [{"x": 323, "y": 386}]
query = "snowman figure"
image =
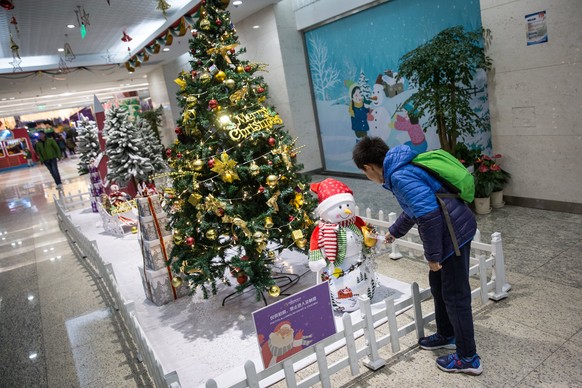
[
  {"x": 379, "y": 118},
  {"x": 340, "y": 246}
]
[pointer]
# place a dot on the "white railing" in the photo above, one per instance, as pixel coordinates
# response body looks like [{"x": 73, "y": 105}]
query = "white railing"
[
  {"x": 86, "y": 249},
  {"x": 71, "y": 201},
  {"x": 485, "y": 256}
]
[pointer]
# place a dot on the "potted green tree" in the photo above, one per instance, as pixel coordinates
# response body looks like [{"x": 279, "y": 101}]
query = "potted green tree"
[{"x": 443, "y": 69}]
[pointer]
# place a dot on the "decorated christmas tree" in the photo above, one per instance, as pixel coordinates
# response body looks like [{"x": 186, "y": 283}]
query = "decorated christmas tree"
[
  {"x": 88, "y": 144},
  {"x": 153, "y": 149},
  {"x": 124, "y": 146},
  {"x": 238, "y": 197}
]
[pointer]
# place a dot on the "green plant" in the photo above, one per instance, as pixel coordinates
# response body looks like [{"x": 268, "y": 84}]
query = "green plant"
[
  {"x": 443, "y": 68},
  {"x": 467, "y": 156},
  {"x": 489, "y": 176}
]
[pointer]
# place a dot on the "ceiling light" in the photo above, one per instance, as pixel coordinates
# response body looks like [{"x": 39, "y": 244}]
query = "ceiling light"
[
  {"x": 70, "y": 26},
  {"x": 60, "y": 50},
  {"x": 255, "y": 27},
  {"x": 166, "y": 49},
  {"x": 236, "y": 3},
  {"x": 54, "y": 88}
]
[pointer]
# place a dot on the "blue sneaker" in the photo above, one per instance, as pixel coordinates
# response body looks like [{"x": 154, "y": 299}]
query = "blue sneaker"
[
  {"x": 437, "y": 341},
  {"x": 452, "y": 363}
]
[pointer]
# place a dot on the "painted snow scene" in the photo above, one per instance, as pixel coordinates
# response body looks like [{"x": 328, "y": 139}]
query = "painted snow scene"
[{"x": 354, "y": 72}]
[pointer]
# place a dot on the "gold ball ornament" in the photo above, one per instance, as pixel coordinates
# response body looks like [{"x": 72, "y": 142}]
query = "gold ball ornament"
[
  {"x": 198, "y": 165},
  {"x": 259, "y": 237},
  {"x": 301, "y": 243},
  {"x": 254, "y": 169},
  {"x": 220, "y": 76},
  {"x": 205, "y": 78},
  {"x": 205, "y": 24},
  {"x": 176, "y": 281},
  {"x": 134, "y": 229},
  {"x": 272, "y": 180},
  {"x": 192, "y": 100},
  {"x": 272, "y": 255},
  {"x": 240, "y": 69},
  {"x": 274, "y": 291},
  {"x": 229, "y": 83},
  {"x": 177, "y": 239},
  {"x": 211, "y": 234}
]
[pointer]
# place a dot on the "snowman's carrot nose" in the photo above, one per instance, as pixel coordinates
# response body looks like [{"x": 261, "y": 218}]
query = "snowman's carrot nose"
[{"x": 347, "y": 211}]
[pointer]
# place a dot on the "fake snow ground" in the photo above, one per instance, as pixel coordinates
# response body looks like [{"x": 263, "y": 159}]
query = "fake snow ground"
[{"x": 199, "y": 338}]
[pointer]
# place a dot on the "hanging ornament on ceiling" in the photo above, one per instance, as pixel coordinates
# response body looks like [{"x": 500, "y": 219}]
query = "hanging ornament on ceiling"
[
  {"x": 108, "y": 2},
  {"x": 69, "y": 55},
  {"x": 15, "y": 24},
  {"x": 126, "y": 38},
  {"x": 6, "y": 4},
  {"x": 163, "y": 6},
  {"x": 82, "y": 20},
  {"x": 14, "y": 48}
]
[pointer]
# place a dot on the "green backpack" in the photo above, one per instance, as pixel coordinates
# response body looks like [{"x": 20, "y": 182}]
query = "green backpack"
[
  {"x": 449, "y": 171},
  {"x": 454, "y": 176}
]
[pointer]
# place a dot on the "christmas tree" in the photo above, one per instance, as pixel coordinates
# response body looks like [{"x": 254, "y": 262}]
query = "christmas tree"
[
  {"x": 88, "y": 144},
  {"x": 365, "y": 87},
  {"x": 153, "y": 149},
  {"x": 124, "y": 147},
  {"x": 238, "y": 196}
]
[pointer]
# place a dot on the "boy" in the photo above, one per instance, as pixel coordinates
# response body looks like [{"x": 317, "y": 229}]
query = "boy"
[{"x": 415, "y": 190}]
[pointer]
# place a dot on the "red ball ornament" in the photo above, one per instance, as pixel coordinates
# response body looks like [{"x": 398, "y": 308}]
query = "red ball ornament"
[
  {"x": 261, "y": 189},
  {"x": 193, "y": 73},
  {"x": 190, "y": 241},
  {"x": 272, "y": 141},
  {"x": 169, "y": 152},
  {"x": 232, "y": 51},
  {"x": 242, "y": 278},
  {"x": 270, "y": 162},
  {"x": 260, "y": 89},
  {"x": 212, "y": 104},
  {"x": 244, "y": 258},
  {"x": 210, "y": 163},
  {"x": 291, "y": 218},
  {"x": 248, "y": 68},
  {"x": 203, "y": 2},
  {"x": 220, "y": 212},
  {"x": 194, "y": 33},
  {"x": 178, "y": 131},
  {"x": 179, "y": 156},
  {"x": 218, "y": 22}
]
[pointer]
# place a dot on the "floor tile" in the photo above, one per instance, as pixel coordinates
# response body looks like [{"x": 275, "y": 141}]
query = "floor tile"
[
  {"x": 564, "y": 268},
  {"x": 560, "y": 369}
]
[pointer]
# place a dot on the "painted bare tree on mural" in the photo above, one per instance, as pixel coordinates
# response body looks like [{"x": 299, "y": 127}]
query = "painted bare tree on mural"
[{"x": 324, "y": 74}]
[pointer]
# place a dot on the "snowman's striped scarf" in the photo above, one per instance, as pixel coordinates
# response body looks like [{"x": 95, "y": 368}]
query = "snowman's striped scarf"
[{"x": 330, "y": 238}]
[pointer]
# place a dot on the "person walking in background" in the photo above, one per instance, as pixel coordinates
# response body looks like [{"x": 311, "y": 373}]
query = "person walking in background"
[
  {"x": 60, "y": 139},
  {"x": 48, "y": 152},
  {"x": 70, "y": 143},
  {"x": 416, "y": 190}
]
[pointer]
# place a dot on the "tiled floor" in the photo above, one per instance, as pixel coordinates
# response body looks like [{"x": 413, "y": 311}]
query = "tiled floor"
[{"x": 57, "y": 327}]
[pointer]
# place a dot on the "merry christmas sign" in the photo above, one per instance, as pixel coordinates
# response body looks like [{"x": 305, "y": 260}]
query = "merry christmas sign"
[{"x": 294, "y": 323}]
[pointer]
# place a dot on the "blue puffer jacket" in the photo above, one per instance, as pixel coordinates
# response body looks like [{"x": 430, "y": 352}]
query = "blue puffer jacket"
[{"x": 415, "y": 191}]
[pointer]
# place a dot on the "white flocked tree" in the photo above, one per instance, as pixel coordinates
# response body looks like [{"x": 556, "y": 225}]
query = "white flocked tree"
[
  {"x": 88, "y": 144},
  {"x": 124, "y": 146},
  {"x": 153, "y": 148}
]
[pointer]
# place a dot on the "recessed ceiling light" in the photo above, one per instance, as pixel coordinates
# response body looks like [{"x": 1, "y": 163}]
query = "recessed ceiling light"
[
  {"x": 255, "y": 27},
  {"x": 70, "y": 26},
  {"x": 53, "y": 88},
  {"x": 60, "y": 50},
  {"x": 237, "y": 2},
  {"x": 166, "y": 49},
  {"x": 12, "y": 98}
]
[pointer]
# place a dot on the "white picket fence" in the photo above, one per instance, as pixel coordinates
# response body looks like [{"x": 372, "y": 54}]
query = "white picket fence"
[
  {"x": 486, "y": 258},
  {"x": 86, "y": 249},
  {"x": 488, "y": 266}
]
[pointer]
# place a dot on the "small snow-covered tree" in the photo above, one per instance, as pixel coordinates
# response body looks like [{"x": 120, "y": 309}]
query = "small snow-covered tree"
[
  {"x": 153, "y": 149},
  {"x": 364, "y": 86},
  {"x": 323, "y": 73},
  {"x": 124, "y": 146},
  {"x": 88, "y": 144}
]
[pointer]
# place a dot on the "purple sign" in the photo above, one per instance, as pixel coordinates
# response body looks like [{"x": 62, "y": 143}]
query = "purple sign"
[{"x": 294, "y": 323}]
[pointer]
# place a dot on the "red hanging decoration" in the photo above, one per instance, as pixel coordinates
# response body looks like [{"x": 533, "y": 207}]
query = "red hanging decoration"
[
  {"x": 6, "y": 4},
  {"x": 15, "y": 24},
  {"x": 126, "y": 38}
]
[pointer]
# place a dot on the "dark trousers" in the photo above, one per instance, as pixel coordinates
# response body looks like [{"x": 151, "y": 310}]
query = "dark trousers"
[
  {"x": 51, "y": 164},
  {"x": 451, "y": 291}
]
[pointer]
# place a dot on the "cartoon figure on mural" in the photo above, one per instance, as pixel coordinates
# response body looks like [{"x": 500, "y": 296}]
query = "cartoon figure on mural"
[
  {"x": 358, "y": 109},
  {"x": 410, "y": 124},
  {"x": 282, "y": 343},
  {"x": 340, "y": 246},
  {"x": 379, "y": 118}
]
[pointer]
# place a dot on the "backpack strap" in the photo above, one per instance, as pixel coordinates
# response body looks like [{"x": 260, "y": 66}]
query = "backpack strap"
[{"x": 447, "y": 216}]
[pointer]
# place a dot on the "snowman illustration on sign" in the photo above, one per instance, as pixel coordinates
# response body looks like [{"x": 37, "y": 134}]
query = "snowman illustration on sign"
[
  {"x": 340, "y": 249},
  {"x": 379, "y": 118}
]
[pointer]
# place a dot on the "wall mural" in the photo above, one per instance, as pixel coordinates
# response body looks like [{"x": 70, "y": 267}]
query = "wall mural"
[{"x": 354, "y": 63}]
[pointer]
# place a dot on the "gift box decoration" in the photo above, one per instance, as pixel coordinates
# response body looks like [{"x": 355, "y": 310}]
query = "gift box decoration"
[
  {"x": 153, "y": 252},
  {"x": 158, "y": 286},
  {"x": 147, "y": 204},
  {"x": 153, "y": 228}
]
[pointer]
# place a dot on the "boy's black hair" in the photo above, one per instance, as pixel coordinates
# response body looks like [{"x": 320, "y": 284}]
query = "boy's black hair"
[{"x": 369, "y": 150}]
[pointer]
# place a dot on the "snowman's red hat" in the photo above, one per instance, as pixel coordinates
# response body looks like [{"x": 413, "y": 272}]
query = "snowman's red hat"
[{"x": 330, "y": 192}]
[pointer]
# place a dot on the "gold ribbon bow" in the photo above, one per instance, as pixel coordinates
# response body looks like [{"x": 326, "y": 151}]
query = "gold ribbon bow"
[{"x": 222, "y": 50}]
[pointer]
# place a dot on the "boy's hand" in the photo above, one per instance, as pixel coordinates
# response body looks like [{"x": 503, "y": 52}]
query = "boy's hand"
[
  {"x": 389, "y": 239},
  {"x": 434, "y": 266}
]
